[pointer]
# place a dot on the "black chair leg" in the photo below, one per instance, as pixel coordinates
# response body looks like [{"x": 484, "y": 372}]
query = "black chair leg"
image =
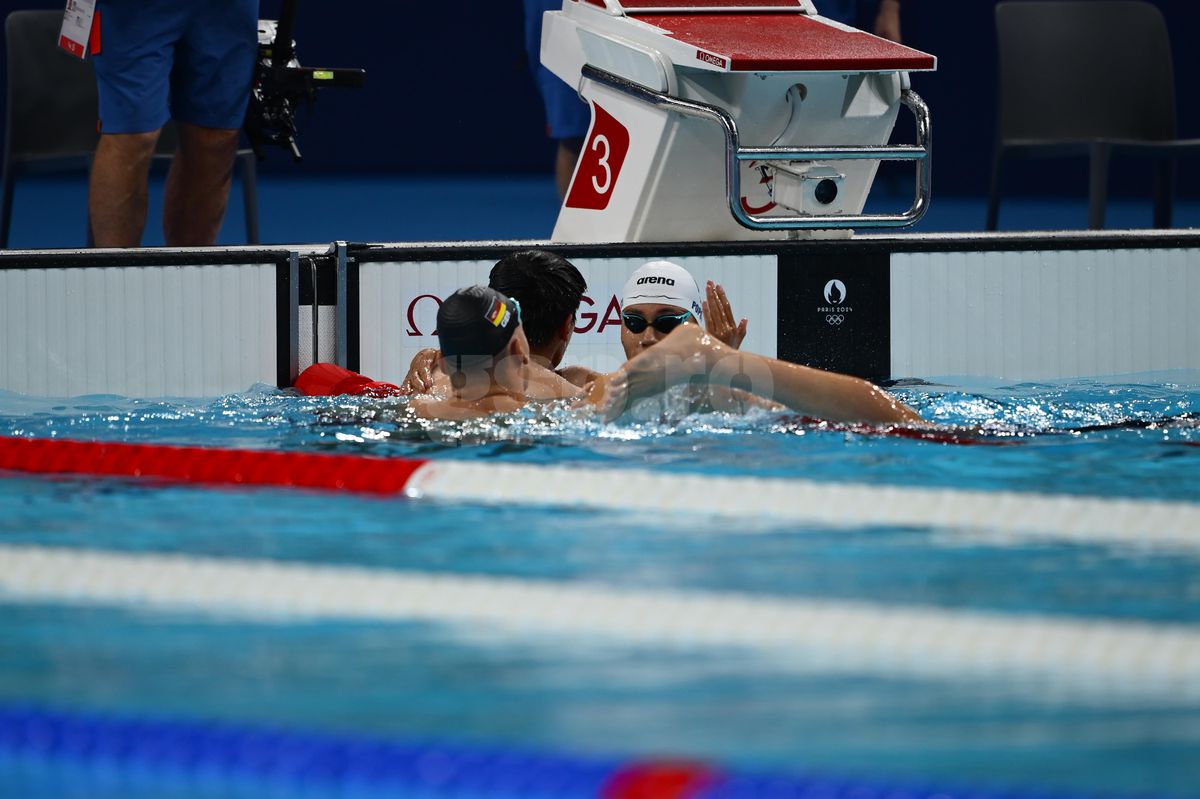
[
  {"x": 993, "y": 207},
  {"x": 89, "y": 235},
  {"x": 6, "y": 209},
  {"x": 1164, "y": 192},
  {"x": 250, "y": 196},
  {"x": 1098, "y": 185}
]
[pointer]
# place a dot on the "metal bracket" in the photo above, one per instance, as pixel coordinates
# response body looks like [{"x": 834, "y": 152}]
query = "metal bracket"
[
  {"x": 736, "y": 154},
  {"x": 342, "y": 334},
  {"x": 316, "y": 310}
]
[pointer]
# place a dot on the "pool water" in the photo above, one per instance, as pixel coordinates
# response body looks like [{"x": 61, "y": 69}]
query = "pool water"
[{"x": 1136, "y": 437}]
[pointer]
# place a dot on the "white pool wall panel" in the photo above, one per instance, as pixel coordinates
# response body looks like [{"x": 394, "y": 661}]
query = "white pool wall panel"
[
  {"x": 1043, "y": 315},
  {"x": 138, "y": 331}
]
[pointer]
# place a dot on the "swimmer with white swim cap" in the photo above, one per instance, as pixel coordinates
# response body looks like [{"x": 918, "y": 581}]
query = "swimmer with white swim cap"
[
  {"x": 662, "y": 295},
  {"x": 663, "y": 321}
]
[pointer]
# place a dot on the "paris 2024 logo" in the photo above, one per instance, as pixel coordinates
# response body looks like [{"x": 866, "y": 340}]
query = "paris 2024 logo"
[{"x": 835, "y": 308}]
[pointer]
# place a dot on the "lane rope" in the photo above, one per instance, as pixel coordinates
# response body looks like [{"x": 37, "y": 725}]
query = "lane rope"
[
  {"x": 1104, "y": 658},
  {"x": 136, "y": 754},
  {"x": 207, "y": 465},
  {"x": 1148, "y": 524},
  {"x": 1144, "y": 524}
]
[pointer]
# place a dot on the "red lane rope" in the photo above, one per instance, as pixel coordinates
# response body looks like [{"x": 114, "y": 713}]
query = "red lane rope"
[
  {"x": 210, "y": 466},
  {"x": 659, "y": 780},
  {"x": 937, "y": 436}
]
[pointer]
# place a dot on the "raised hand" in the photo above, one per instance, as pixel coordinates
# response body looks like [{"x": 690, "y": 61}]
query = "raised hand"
[{"x": 718, "y": 317}]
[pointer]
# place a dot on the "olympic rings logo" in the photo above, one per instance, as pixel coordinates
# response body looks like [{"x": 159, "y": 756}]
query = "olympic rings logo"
[{"x": 835, "y": 319}]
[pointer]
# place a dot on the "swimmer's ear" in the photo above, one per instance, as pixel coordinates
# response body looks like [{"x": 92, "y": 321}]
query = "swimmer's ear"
[
  {"x": 517, "y": 348},
  {"x": 567, "y": 327}
]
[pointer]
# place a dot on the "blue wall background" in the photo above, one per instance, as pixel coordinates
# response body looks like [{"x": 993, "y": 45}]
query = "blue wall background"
[{"x": 449, "y": 92}]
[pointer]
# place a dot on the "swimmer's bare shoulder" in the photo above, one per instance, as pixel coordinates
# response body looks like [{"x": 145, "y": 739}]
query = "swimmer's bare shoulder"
[
  {"x": 453, "y": 409},
  {"x": 545, "y": 384}
]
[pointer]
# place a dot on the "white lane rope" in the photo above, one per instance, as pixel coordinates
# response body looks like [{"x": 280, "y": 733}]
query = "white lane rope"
[
  {"x": 1152, "y": 524},
  {"x": 1098, "y": 658},
  {"x": 999, "y": 515}
]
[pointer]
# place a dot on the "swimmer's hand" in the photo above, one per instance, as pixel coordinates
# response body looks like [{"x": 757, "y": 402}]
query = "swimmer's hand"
[
  {"x": 606, "y": 396},
  {"x": 718, "y": 317},
  {"x": 685, "y": 355},
  {"x": 422, "y": 372}
]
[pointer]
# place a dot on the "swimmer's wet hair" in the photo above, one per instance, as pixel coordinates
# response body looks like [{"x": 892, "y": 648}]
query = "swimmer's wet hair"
[{"x": 548, "y": 286}]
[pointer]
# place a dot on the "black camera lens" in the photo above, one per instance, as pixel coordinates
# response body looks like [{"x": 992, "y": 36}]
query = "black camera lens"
[{"x": 826, "y": 191}]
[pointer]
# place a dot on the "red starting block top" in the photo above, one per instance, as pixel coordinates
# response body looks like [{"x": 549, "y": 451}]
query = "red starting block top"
[{"x": 782, "y": 42}]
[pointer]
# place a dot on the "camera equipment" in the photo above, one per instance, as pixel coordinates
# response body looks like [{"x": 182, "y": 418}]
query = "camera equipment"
[{"x": 281, "y": 84}]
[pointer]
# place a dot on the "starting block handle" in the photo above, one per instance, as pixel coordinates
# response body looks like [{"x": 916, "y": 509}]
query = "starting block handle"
[{"x": 920, "y": 153}]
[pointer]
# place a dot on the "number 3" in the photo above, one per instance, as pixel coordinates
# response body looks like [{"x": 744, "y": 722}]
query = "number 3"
[{"x": 603, "y": 162}]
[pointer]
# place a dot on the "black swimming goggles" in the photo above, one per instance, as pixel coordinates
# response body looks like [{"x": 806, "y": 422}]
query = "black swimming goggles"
[{"x": 663, "y": 323}]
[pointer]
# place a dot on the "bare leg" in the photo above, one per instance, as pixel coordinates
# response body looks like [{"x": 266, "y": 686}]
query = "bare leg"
[
  {"x": 198, "y": 185},
  {"x": 117, "y": 193}
]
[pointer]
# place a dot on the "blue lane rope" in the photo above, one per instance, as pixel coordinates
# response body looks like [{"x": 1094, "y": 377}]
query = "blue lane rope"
[
  {"x": 177, "y": 751},
  {"x": 182, "y": 753}
]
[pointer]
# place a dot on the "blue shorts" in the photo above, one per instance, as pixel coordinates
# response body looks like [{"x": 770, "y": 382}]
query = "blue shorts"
[
  {"x": 567, "y": 117},
  {"x": 188, "y": 60}
]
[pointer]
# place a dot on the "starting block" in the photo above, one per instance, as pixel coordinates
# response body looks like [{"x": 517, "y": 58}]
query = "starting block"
[{"x": 717, "y": 120}]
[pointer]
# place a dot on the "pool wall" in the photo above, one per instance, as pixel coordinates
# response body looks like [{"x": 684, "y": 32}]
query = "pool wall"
[{"x": 203, "y": 322}]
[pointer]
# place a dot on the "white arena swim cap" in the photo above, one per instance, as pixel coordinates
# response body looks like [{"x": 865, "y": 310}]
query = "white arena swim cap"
[{"x": 663, "y": 283}]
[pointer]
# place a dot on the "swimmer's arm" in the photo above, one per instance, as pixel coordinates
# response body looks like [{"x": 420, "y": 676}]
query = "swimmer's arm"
[
  {"x": 815, "y": 392},
  {"x": 578, "y": 375},
  {"x": 688, "y": 355},
  {"x": 734, "y": 400}
]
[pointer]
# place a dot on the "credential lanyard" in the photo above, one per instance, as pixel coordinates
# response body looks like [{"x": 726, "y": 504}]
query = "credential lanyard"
[{"x": 77, "y": 27}]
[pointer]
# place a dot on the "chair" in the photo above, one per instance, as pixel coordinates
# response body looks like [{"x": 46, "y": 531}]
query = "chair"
[
  {"x": 50, "y": 124},
  {"x": 1087, "y": 78}
]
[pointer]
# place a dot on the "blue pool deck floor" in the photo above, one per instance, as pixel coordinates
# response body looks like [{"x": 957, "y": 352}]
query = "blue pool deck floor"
[{"x": 50, "y": 212}]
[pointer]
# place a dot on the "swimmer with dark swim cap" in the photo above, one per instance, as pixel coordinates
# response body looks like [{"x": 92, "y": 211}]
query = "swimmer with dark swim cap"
[
  {"x": 485, "y": 354},
  {"x": 549, "y": 288},
  {"x": 474, "y": 324}
]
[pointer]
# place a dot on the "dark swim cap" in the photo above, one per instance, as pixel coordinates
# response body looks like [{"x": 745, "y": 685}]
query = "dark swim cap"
[{"x": 476, "y": 322}]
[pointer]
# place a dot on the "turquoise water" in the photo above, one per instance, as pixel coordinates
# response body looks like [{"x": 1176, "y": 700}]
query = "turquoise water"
[{"x": 1133, "y": 437}]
